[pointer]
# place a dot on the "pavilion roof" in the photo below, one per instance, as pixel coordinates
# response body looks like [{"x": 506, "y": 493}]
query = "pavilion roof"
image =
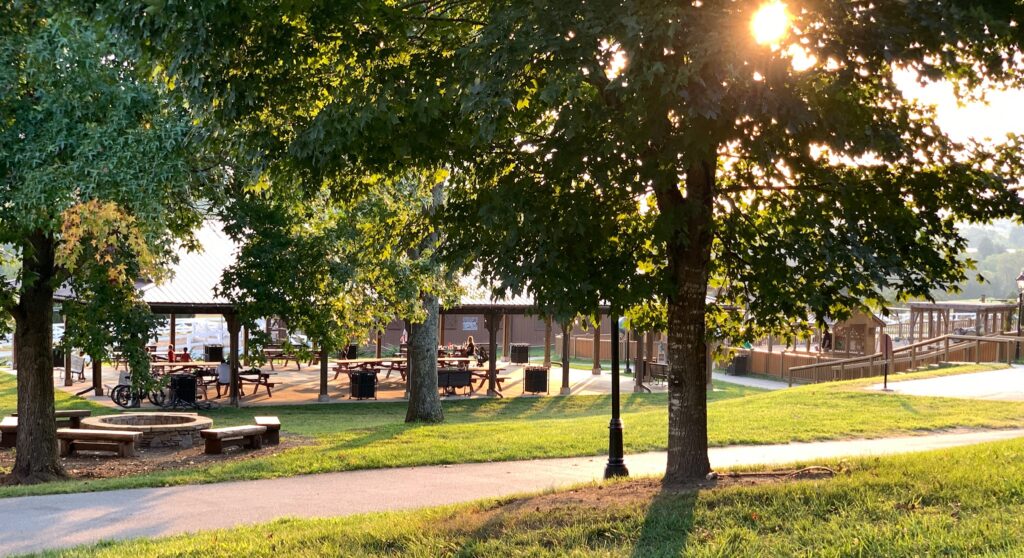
[{"x": 970, "y": 305}]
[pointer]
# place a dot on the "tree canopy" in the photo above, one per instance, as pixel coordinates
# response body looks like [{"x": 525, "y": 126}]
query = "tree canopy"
[
  {"x": 98, "y": 184},
  {"x": 637, "y": 150}
]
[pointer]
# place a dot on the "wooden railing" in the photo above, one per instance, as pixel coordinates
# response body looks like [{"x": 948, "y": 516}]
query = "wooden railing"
[{"x": 947, "y": 348}]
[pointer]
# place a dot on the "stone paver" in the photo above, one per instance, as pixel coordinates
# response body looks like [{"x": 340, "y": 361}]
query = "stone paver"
[
  {"x": 998, "y": 385},
  {"x": 40, "y": 522}
]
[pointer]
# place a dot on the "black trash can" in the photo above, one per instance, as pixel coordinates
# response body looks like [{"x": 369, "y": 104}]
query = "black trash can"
[
  {"x": 740, "y": 365},
  {"x": 536, "y": 380},
  {"x": 213, "y": 353},
  {"x": 519, "y": 353},
  {"x": 364, "y": 385},
  {"x": 58, "y": 356},
  {"x": 353, "y": 351},
  {"x": 183, "y": 389}
]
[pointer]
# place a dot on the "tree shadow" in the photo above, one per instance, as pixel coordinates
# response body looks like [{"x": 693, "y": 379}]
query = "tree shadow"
[{"x": 667, "y": 524}]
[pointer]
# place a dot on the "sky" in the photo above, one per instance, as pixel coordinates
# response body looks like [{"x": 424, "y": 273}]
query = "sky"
[{"x": 1004, "y": 112}]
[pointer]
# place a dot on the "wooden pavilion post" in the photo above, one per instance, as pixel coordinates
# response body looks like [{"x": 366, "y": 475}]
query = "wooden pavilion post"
[
  {"x": 245, "y": 344},
  {"x": 323, "y": 397},
  {"x": 547, "y": 342},
  {"x": 506, "y": 338},
  {"x": 233, "y": 330},
  {"x": 380, "y": 340},
  {"x": 491, "y": 323},
  {"x": 566, "y": 330},
  {"x": 68, "y": 380},
  {"x": 440, "y": 331},
  {"x": 638, "y": 369},
  {"x": 173, "y": 334},
  {"x": 596, "y": 370}
]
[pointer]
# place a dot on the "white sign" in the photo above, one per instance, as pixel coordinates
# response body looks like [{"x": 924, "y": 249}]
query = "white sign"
[{"x": 469, "y": 324}]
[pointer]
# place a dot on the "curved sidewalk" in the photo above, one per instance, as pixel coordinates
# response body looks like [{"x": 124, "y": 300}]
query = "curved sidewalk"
[{"x": 41, "y": 522}]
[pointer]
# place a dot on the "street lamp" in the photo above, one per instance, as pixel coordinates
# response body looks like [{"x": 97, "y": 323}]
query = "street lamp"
[{"x": 616, "y": 466}]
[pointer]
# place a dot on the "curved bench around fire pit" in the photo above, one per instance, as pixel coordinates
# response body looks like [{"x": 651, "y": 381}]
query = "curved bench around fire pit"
[{"x": 159, "y": 430}]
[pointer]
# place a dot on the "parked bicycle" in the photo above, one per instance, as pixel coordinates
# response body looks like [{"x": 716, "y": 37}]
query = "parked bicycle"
[{"x": 124, "y": 395}]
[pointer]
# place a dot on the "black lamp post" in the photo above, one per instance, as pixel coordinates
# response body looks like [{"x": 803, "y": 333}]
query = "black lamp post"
[
  {"x": 1020, "y": 308},
  {"x": 616, "y": 466}
]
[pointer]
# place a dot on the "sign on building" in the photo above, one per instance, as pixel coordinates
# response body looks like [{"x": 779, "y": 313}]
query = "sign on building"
[{"x": 469, "y": 324}]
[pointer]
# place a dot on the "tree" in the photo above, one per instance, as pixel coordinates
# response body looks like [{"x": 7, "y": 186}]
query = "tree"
[
  {"x": 336, "y": 269},
  {"x": 95, "y": 186},
  {"x": 626, "y": 150}
]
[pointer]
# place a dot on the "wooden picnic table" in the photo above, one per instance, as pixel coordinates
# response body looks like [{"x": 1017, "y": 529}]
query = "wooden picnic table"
[
  {"x": 370, "y": 364},
  {"x": 259, "y": 378},
  {"x": 278, "y": 354},
  {"x": 172, "y": 367}
]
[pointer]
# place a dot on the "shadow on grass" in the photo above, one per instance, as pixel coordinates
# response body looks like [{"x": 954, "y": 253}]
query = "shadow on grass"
[{"x": 667, "y": 525}]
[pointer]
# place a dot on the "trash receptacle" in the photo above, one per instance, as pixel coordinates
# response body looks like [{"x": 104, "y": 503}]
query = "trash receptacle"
[
  {"x": 352, "y": 352},
  {"x": 364, "y": 385},
  {"x": 183, "y": 389},
  {"x": 213, "y": 353},
  {"x": 536, "y": 380},
  {"x": 740, "y": 365},
  {"x": 519, "y": 353}
]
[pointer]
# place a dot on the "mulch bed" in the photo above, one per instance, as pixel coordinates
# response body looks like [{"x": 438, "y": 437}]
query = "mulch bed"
[{"x": 89, "y": 465}]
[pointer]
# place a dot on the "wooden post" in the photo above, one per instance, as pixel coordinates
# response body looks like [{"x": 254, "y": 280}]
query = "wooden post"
[
  {"x": 638, "y": 369},
  {"x": 547, "y": 342},
  {"x": 566, "y": 330},
  {"x": 68, "y": 380},
  {"x": 323, "y": 397},
  {"x": 233, "y": 329},
  {"x": 245, "y": 345},
  {"x": 946, "y": 343},
  {"x": 380, "y": 340},
  {"x": 977, "y": 351},
  {"x": 596, "y": 370},
  {"x": 173, "y": 333},
  {"x": 440, "y": 331},
  {"x": 506, "y": 338},
  {"x": 491, "y": 323}
]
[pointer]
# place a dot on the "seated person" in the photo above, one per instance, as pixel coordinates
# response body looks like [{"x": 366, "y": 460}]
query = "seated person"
[
  {"x": 170, "y": 353},
  {"x": 223, "y": 376},
  {"x": 470, "y": 347},
  {"x": 184, "y": 356}
]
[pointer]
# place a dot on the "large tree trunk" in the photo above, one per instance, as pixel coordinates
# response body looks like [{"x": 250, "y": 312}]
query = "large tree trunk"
[
  {"x": 424, "y": 401},
  {"x": 36, "y": 459},
  {"x": 689, "y": 255}
]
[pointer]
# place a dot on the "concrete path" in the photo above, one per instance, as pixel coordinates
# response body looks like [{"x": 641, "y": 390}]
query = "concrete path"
[
  {"x": 40, "y": 522},
  {"x": 998, "y": 385},
  {"x": 762, "y": 383}
]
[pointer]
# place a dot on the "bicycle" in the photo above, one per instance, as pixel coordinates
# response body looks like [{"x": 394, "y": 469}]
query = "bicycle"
[{"x": 124, "y": 395}]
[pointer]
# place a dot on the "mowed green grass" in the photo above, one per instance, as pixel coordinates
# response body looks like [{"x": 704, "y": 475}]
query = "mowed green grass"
[
  {"x": 959, "y": 502},
  {"x": 372, "y": 435}
]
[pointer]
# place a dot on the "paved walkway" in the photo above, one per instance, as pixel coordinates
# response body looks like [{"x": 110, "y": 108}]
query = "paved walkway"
[
  {"x": 762, "y": 383},
  {"x": 998, "y": 385},
  {"x": 39, "y": 522}
]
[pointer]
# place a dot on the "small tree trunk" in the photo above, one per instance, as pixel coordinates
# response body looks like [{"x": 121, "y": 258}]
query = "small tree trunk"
[
  {"x": 424, "y": 401},
  {"x": 36, "y": 460}
]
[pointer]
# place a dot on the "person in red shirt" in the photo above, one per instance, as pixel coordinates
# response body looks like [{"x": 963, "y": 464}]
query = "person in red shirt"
[
  {"x": 170, "y": 353},
  {"x": 184, "y": 356}
]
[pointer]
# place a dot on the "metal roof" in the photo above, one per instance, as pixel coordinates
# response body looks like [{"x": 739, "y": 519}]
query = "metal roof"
[{"x": 193, "y": 279}]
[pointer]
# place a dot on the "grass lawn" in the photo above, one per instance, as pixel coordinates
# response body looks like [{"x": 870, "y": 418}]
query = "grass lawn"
[
  {"x": 960, "y": 502},
  {"x": 372, "y": 435}
]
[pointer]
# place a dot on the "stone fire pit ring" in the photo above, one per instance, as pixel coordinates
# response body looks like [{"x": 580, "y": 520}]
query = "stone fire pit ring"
[{"x": 159, "y": 430}]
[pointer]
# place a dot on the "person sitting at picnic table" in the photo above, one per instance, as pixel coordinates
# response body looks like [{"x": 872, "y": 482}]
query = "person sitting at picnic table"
[
  {"x": 184, "y": 356},
  {"x": 470, "y": 346},
  {"x": 170, "y": 353}
]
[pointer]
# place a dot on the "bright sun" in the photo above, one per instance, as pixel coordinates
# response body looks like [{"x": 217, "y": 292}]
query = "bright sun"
[{"x": 770, "y": 23}]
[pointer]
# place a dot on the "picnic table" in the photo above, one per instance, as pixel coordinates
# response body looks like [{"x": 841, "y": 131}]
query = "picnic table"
[
  {"x": 257, "y": 378},
  {"x": 278, "y": 354},
  {"x": 188, "y": 366},
  {"x": 388, "y": 364}
]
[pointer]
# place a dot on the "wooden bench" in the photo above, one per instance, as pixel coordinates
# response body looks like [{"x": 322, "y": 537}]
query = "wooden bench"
[
  {"x": 73, "y": 440},
  {"x": 8, "y": 432},
  {"x": 250, "y": 437},
  {"x": 70, "y": 418},
  {"x": 273, "y": 435}
]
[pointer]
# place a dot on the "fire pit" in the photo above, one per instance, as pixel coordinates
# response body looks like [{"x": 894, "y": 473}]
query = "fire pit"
[{"x": 159, "y": 430}]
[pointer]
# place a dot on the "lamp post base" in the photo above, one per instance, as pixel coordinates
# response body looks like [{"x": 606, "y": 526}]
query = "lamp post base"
[{"x": 616, "y": 466}]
